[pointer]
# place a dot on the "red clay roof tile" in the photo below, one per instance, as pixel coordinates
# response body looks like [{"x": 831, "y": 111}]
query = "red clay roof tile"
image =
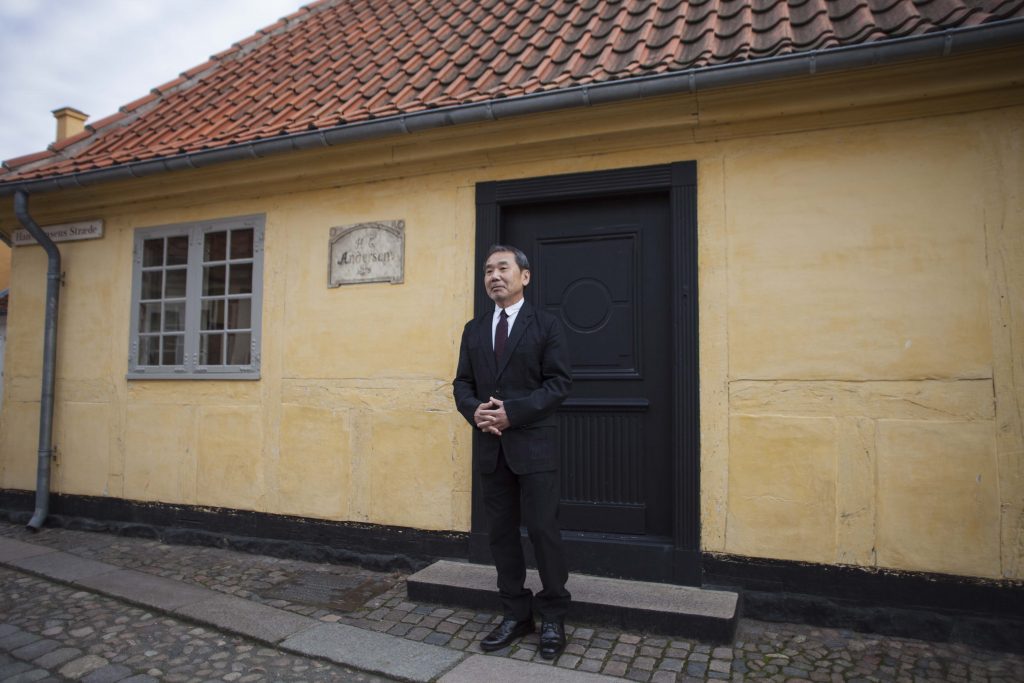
[
  {"x": 27, "y": 159},
  {"x": 106, "y": 121},
  {"x": 144, "y": 100},
  {"x": 336, "y": 62}
]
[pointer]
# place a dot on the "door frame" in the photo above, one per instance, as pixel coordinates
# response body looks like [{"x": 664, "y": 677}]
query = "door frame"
[{"x": 672, "y": 560}]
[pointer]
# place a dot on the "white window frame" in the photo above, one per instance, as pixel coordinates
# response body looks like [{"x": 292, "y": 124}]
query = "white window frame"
[{"x": 191, "y": 368}]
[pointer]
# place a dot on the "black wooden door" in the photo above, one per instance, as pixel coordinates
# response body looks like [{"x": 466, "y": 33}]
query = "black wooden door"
[
  {"x": 601, "y": 265},
  {"x": 614, "y": 255}
]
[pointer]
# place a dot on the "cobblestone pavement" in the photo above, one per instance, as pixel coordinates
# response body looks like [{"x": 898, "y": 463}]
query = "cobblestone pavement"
[
  {"x": 145, "y": 644},
  {"x": 49, "y": 632}
]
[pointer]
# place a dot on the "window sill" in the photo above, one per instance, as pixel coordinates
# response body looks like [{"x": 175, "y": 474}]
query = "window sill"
[{"x": 185, "y": 376}]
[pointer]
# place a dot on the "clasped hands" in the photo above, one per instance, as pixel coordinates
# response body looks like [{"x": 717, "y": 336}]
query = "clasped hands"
[{"x": 490, "y": 417}]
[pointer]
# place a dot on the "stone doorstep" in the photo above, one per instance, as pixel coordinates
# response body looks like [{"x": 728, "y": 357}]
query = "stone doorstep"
[{"x": 707, "y": 615}]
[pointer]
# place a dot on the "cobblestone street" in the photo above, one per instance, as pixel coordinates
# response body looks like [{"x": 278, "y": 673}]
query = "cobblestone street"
[{"x": 49, "y": 631}]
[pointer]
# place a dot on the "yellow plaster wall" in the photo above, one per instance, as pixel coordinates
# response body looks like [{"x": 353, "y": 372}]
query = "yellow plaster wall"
[
  {"x": 846, "y": 241},
  {"x": 161, "y": 465},
  {"x": 83, "y": 434},
  {"x": 860, "y": 327},
  {"x": 5, "y": 266},
  {"x": 315, "y": 462},
  {"x": 937, "y": 497},
  {"x": 782, "y": 474},
  {"x": 864, "y": 290},
  {"x": 230, "y": 463}
]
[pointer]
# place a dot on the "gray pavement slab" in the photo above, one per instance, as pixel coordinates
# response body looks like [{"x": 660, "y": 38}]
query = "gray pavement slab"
[
  {"x": 31, "y": 676},
  {"x": 36, "y": 649},
  {"x": 62, "y": 566},
  {"x": 147, "y": 589},
  {"x": 11, "y": 669},
  {"x": 487, "y": 668},
  {"x": 18, "y": 639},
  {"x": 248, "y": 618},
  {"x": 111, "y": 673},
  {"x": 376, "y": 652},
  {"x": 12, "y": 549},
  {"x": 58, "y": 657}
]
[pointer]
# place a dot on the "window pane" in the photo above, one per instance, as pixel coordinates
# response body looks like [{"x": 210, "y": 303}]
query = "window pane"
[
  {"x": 238, "y": 349},
  {"x": 177, "y": 250},
  {"x": 174, "y": 317},
  {"x": 153, "y": 284},
  {"x": 239, "y": 314},
  {"x": 153, "y": 252},
  {"x": 175, "y": 283},
  {"x": 195, "y": 287},
  {"x": 241, "y": 243},
  {"x": 215, "y": 246},
  {"x": 241, "y": 278},
  {"x": 149, "y": 350},
  {"x": 211, "y": 349},
  {"x": 213, "y": 314},
  {"x": 174, "y": 349},
  {"x": 213, "y": 280},
  {"x": 149, "y": 317}
]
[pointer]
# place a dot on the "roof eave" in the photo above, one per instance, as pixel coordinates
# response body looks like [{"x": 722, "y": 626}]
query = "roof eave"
[{"x": 932, "y": 45}]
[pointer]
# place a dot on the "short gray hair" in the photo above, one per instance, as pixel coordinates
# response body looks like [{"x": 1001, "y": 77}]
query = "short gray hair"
[{"x": 521, "y": 260}]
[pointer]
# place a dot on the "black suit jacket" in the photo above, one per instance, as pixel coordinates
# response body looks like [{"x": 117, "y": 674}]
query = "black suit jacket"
[{"x": 533, "y": 379}]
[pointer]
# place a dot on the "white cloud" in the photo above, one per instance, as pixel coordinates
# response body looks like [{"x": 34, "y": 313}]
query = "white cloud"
[{"x": 98, "y": 55}]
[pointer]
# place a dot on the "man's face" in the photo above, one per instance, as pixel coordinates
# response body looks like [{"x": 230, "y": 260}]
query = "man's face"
[{"x": 503, "y": 278}]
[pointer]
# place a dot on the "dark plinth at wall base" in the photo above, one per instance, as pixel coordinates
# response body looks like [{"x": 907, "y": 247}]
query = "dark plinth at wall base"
[
  {"x": 686, "y": 567},
  {"x": 685, "y": 611},
  {"x": 867, "y": 585},
  {"x": 372, "y": 546},
  {"x": 1005, "y": 633},
  {"x": 981, "y": 612}
]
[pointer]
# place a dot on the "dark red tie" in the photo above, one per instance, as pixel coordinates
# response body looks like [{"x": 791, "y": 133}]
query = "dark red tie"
[{"x": 501, "y": 335}]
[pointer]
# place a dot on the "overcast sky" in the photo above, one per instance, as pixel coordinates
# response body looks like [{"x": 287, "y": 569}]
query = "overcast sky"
[{"x": 95, "y": 55}]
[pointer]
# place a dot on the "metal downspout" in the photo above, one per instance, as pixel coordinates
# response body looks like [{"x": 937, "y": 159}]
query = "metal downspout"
[{"x": 49, "y": 360}]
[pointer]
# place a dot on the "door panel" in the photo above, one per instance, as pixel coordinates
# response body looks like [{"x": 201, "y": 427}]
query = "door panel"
[
  {"x": 592, "y": 283},
  {"x": 601, "y": 265}
]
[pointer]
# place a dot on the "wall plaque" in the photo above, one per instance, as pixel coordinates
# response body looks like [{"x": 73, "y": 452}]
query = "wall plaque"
[
  {"x": 65, "y": 232},
  {"x": 367, "y": 252}
]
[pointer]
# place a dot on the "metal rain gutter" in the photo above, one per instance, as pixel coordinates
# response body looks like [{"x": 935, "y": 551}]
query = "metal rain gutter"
[
  {"x": 930, "y": 45},
  {"x": 49, "y": 360}
]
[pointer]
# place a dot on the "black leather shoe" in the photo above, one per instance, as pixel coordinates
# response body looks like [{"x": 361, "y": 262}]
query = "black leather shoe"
[
  {"x": 506, "y": 633},
  {"x": 552, "y": 639}
]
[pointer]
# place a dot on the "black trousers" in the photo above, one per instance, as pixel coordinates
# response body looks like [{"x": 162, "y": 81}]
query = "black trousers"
[{"x": 512, "y": 499}]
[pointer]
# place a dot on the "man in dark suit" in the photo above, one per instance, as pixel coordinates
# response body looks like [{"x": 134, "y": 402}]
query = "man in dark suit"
[{"x": 513, "y": 374}]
